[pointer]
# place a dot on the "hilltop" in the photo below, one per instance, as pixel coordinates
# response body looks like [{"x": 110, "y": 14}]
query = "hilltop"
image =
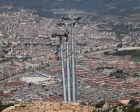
[{"x": 38, "y": 106}]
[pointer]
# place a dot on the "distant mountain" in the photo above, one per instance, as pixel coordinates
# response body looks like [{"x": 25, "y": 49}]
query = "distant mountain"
[{"x": 104, "y": 7}]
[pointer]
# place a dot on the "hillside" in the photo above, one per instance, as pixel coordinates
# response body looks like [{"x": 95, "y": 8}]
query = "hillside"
[
  {"x": 38, "y": 106},
  {"x": 101, "y": 7}
]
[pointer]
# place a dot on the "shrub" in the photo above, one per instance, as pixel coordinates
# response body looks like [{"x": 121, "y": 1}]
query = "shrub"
[{"x": 2, "y": 107}]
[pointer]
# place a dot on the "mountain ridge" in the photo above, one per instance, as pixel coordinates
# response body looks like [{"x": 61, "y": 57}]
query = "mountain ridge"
[{"x": 102, "y": 7}]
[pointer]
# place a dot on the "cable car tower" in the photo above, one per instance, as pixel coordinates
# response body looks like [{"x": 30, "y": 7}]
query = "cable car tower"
[{"x": 69, "y": 85}]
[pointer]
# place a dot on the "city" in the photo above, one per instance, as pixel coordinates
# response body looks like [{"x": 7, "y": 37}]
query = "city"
[{"x": 30, "y": 65}]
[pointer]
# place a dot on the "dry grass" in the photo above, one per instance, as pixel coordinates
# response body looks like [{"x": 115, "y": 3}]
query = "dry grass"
[{"x": 38, "y": 106}]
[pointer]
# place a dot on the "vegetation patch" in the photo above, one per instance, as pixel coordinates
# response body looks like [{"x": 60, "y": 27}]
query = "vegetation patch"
[
  {"x": 7, "y": 59},
  {"x": 2, "y": 107},
  {"x": 23, "y": 105},
  {"x": 135, "y": 54}
]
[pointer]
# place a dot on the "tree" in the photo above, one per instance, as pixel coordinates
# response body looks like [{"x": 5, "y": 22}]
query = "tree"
[
  {"x": 0, "y": 102},
  {"x": 86, "y": 51},
  {"x": 106, "y": 53},
  {"x": 134, "y": 103},
  {"x": 29, "y": 84},
  {"x": 100, "y": 104},
  {"x": 119, "y": 45},
  {"x": 119, "y": 71}
]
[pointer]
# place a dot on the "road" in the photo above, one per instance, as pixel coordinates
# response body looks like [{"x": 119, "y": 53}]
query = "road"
[
  {"x": 128, "y": 48},
  {"x": 15, "y": 76},
  {"x": 119, "y": 49}
]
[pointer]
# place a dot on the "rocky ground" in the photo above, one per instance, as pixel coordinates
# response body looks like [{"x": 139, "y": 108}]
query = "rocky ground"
[{"x": 38, "y": 106}]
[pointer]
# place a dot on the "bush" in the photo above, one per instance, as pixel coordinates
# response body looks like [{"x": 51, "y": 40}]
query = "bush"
[
  {"x": 133, "y": 102},
  {"x": 2, "y": 107},
  {"x": 100, "y": 105}
]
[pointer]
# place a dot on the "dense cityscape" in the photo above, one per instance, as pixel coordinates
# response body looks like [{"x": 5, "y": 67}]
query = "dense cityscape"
[{"x": 30, "y": 65}]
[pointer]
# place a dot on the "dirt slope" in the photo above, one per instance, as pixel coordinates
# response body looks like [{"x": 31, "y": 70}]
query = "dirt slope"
[{"x": 38, "y": 106}]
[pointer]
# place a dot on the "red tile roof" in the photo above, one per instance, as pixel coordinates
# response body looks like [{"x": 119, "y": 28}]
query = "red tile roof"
[{"x": 14, "y": 84}]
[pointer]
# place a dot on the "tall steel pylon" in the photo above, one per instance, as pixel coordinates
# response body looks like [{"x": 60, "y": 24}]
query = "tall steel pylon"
[
  {"x": 73, "y": 64},
  {"x": 71, "y": 94},
  {"x": 67, "y": 62},
  {"x": 61, "y": 35},
  {"x": 68, "y": 72},
  {"x": 72, "y": 20}
]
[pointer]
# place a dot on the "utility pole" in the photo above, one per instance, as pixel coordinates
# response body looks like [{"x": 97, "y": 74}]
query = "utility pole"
[{"x": 61, "y": 35}]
